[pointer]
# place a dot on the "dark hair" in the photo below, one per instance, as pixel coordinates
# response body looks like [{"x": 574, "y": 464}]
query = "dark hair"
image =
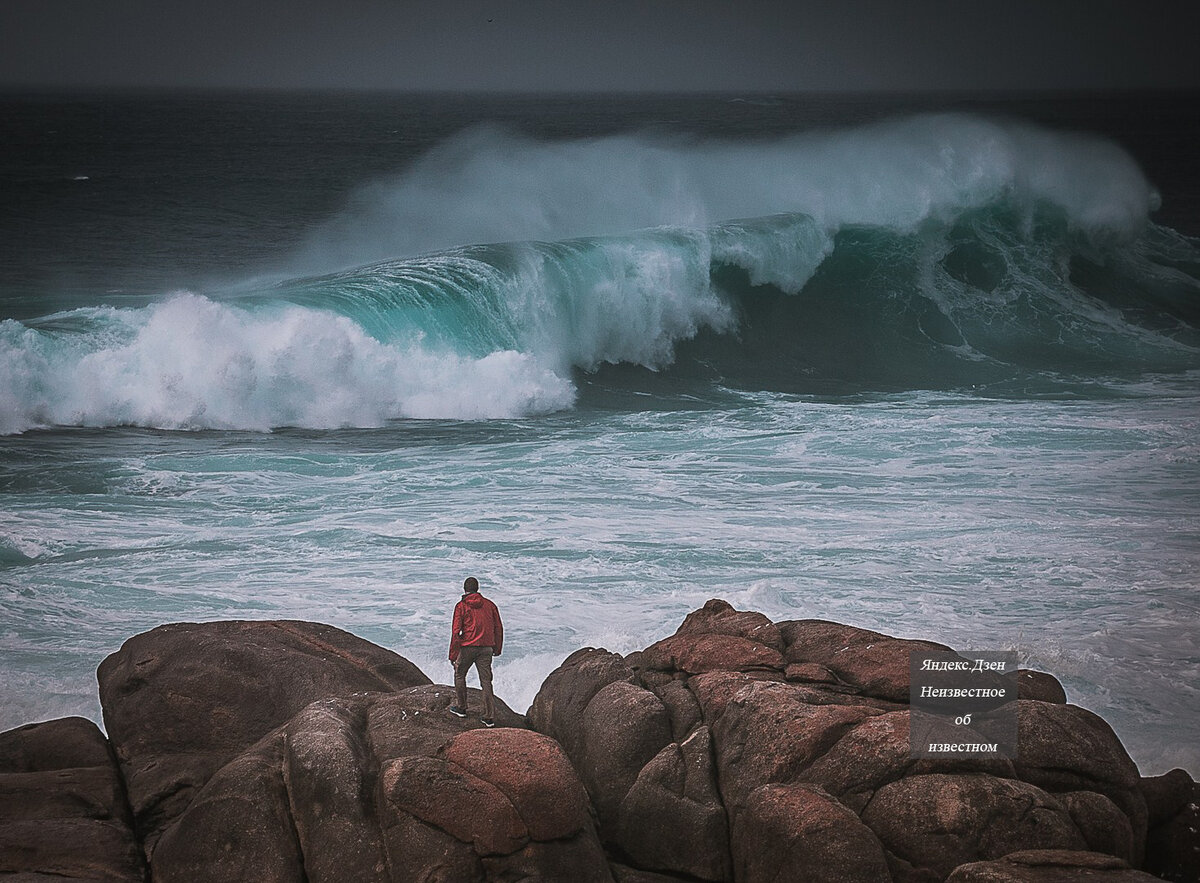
[{"x": 470, "y": 584}]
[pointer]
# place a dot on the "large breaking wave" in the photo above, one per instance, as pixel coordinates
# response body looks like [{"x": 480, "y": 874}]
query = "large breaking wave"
[{"x": 933, "y": 252}]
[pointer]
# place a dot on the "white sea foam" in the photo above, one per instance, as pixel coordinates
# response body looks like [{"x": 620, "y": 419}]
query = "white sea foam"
[
  {"x": 1064, "y": 529},
  {"x": 1067, "y": 533},
  {"x": 591, "y": 547},
  {"x": 189, "y": 362},
  {"x": 623, "y": 299}
]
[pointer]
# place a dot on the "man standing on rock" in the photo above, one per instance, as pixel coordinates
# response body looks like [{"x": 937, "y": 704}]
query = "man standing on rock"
[{"x": 477, "y": 636}]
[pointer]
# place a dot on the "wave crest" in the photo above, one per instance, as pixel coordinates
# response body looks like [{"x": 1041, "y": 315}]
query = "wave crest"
[
  {"x": 192, "y": 363},
  {"x": 489, "y": 184},
  {"x": 935, "y": 252}
]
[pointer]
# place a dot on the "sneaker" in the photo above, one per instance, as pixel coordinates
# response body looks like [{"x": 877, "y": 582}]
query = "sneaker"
[
  {"x": 488, "y": 722},
  {"x": 458, "y": 712}
]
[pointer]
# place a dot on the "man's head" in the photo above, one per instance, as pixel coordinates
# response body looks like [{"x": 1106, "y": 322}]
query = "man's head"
[{"x": 470, "y": 584}]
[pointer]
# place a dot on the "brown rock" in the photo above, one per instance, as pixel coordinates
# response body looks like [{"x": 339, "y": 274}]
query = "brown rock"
[
  {"x": 695, "y": 654},
  {"x": 1063, "y": 747},
  {"x": 580, "y": 860},
  {"x": 237, "y": 828},
  {"x": 941, "y": 821},
  {"x": 417, "y": 851},
  {"x": 1049, "y": 866},
  {"x": 828, "y": 717},
  {"x": 672, "y": 817},
  {"x": 328, "y": 771},
  {"x": 449, "y": 798},
  {"x": 1104, "y": 827},
  {"x": 533, "y": 774},
  {"x": 83, "y": 792},
  {"x": 68, "y": 849},
  {"x": 63, "y": 812},
  {"x": 387, "y": 787},
  {"x": 62, "y": 744},
  {"x": 767, "y": 733},
  {"x": 798, "y": 833},
  {"x": 558, "y": 707},
  {"x": 870, "y": 755},
  {"x": 876, "y": 664},
  {"x": 416, "y": 721},
  {"x": 1067, "y": 748},
  {"x": 656, "y": 800},
  {"x": 715, "y": 691},
  {"x": 1173, "y": 847},
  {"x": 878, "y": 751},
  {"x": 1040, "y": 686},
  {"x": 1165, "y": 795},
  {"x": 624, "y": 726},
  {"x": 810, "y": 672},
  {"x": 625, "y": 874},
  {"x": 182, "y": 700},
  {"x": 682, "y": 707},
  {"x": 796, "y": 732},
  {"x": 718, "y": 617}
]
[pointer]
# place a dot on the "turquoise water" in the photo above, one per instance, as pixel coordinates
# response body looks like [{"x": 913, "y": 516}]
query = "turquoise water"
[
  {"x": 1065, "y": 530},
  {"x": 932, "y": 375}
]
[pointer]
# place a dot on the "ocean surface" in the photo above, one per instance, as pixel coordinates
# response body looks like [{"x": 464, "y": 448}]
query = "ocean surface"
[{"x": 926, "y": 365}]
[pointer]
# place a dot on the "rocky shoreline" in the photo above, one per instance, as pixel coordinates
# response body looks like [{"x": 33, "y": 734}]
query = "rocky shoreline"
[{"x": 737, "y": 749}]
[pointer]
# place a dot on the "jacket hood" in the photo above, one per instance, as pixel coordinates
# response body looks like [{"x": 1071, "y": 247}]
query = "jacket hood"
[{"x": 473, "y": 599}]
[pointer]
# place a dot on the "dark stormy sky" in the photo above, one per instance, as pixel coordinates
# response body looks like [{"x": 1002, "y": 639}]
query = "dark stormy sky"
[{"x": 604, "y": 45}]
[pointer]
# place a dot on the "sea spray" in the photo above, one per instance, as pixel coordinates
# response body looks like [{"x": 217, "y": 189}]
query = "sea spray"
[
  {"x": 489, "y": 184},
  {"x": 971, "y": 428},
  {"x": 933, "y": 252}
]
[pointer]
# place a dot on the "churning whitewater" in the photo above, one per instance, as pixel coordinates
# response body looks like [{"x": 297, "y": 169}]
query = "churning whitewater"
[
  {"x": 934, "y": 375},
  {"x": 937, "y": 252}
]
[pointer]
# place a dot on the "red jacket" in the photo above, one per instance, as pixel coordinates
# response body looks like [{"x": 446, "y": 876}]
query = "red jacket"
[{"x": 476, "y": 624}]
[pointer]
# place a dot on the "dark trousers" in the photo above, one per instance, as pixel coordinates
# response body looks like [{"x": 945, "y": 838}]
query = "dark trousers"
[{"x": 481, "y": 658}]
